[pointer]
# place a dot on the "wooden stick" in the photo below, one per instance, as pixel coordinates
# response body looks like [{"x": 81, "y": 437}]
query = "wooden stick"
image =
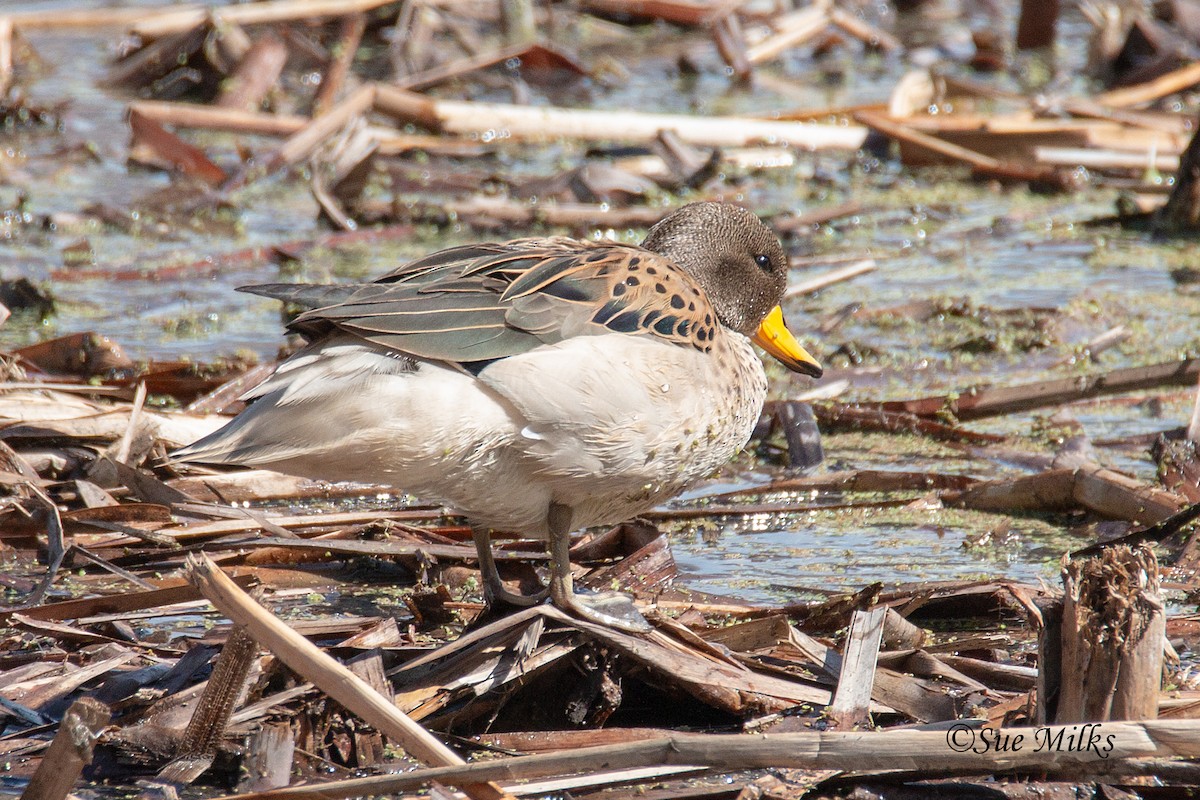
[
  {"x": 70, "y": 751},
  {"x": 681, "y": 12},
  {"x": 791, "y": 30},
  {"x": 1056, "y": 746},
  {"x": 444, "y": 72},
  {"x": 1106, "y": 159},
  {"x": 56, "y": 19},
  {"x": 1145, "y": 93},
  {"x": 795, "y": 223},
  {"x": 301, "y": 144},
  {"x": 516, "y": 123},
  {"x": 982, "y": 164},
  {"x": 1121, "y": 497},
  {"x": 979, "y": 403},
  {"x": 314, "y": 665},
  {"x": 189, "y": 115},
  {"x": 349, "y": 38},
  {"x": 1088, "y": 485},
  {"x": 255, "y": 75},
  {"x": 864, "y": 31},
  {"x": 154, "y": 144},
  {"x": 852, "y": 701},
  {"x": 843, "y": 416},
  {"x": 868, "y": 480},
  {"x": 158, "y": 58},
  {"x": 493, "y": 211},
  {"x": 227, "y": 47},
  {"x": 1113, "y": 629},
  {"x": 852, "y": 270},
  {"x": 731, "y": 44},
  {"x": 161, "y": 24}
]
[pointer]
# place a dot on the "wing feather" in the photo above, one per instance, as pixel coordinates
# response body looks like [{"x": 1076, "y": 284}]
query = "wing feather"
[{"x": 474, "y": 304}]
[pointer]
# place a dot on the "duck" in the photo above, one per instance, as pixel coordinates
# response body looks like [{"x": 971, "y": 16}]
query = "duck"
[{"x": 538, "y": 386}]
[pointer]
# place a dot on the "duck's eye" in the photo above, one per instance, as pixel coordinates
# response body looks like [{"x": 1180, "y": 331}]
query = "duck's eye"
[{"x": 763, "y": 261}]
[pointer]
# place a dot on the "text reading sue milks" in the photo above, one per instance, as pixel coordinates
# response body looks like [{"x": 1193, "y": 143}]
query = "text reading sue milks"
[{"x": 1067, "y": 739}]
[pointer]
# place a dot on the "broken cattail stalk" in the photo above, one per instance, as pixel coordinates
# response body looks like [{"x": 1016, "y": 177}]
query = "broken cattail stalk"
[
  {"x": 349, "y": 38},
  {"x": 177, "y": 592},
  {"x": 1113, "y": 634},
  {"x": 158, "y": 58},
  {"x": 267, "y": 763},
  {"x": 70, "y": 751},
  {"x": 189, "y": 115},
  {"x": 1143, "y": 93},
  {"x": 213, "y": 710},
  {"x": 227, "y": 46},
  {"x": 153, "y": 26},
  {"x": 54, "y": 19},
  {"x": 1089, "y": 486},
  {"x": 979, "y": 403},
  {"x": 528, "y": 54},
  {"x": 854, "y": 751},
  {"x": 863, "y": 31},
  {"x": 795, "y": 223},
  {"x": 1097, "y": 345},
  {"x": 493, "y": 211},
  {"x": 791, "y": 30},
  {"x": 899, "y": 633},
  {"x": 518, "y": 123},
  {"x": 302, "y": 144},
  {"x": 852, "y": 270},
  {"x": 731, "y": 44},
  {"x": 980, "y": 163},
  {"x": 870, "y": 480},
  {"x": 680, "y": 12},
  {"x": 255, "y": 75},
  {"x": 1106, "y": 159},
  {"x": 153, "y": 144},
  {"x": 309, "y": 661},
  {"x": 852, "y": 701}
]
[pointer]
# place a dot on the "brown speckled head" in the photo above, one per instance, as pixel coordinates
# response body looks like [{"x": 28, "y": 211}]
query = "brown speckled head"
[{"x": 735, "y": 258}]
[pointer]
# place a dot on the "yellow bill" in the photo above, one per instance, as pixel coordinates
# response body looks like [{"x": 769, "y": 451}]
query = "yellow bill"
[{"x": 774, "y": 337}]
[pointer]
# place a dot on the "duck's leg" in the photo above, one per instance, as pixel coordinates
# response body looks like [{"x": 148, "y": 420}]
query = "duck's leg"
[
  {"x": 606, "y": 608},
  {"x": 493, "y": 587}
]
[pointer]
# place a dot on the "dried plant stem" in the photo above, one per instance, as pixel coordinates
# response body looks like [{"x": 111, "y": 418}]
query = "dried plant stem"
[{"x": 327, "y": 674}]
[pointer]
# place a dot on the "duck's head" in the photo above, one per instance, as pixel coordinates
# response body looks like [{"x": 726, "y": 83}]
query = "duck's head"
[{"x": 742, "y": 268}]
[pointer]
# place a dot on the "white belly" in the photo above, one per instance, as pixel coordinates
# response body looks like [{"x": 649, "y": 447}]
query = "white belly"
[{"x": 608, "y": 425}]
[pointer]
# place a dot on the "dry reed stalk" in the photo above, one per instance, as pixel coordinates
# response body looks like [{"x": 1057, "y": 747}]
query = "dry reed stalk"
[{"x": 309, "y": 661}]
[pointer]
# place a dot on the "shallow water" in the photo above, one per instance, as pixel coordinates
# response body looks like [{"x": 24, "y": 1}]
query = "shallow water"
[{"x": 934, "y": 234}]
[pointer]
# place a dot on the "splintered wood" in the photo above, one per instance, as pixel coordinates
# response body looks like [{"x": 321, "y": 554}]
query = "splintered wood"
[
  {"x": 71, "y": 750},
  {"x": 1113, "y": 628}
]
